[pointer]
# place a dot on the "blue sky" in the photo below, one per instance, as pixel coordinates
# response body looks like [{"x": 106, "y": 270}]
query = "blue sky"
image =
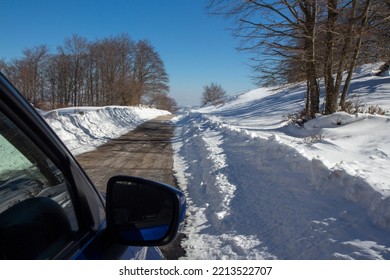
[{"x": 196, "y": 48}]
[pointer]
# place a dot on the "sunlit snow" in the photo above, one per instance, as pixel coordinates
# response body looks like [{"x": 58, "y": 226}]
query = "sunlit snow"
[
  {"x": 318, "y": 191},
  {"x": 84, "y": 128},
  {"x": 261, "y": 187}
]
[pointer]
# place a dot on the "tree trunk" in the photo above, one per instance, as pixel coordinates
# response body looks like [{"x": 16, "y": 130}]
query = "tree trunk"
[
  {"x": 345, "y": 52},
  {"x": 310, "y": 10},
  {"x": 356, "y": 52},
  {"x": 332, "y": 95}
]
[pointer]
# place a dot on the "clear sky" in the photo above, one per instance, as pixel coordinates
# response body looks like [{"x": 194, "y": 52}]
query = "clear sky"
[{"x": 196, "y": 48}]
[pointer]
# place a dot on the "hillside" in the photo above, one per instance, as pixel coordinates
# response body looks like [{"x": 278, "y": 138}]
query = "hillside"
[{"x": 261, "y": 186}]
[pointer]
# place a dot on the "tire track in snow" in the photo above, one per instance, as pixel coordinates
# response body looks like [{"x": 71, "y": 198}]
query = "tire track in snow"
[
  {"x": 282, "y": 204},
  {"x": 213, "y": 141},
  {"x": 200, "y": 166}
]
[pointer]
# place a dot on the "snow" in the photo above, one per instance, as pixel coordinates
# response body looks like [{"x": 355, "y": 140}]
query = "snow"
[
  {"x": 262, "y": 187},
  {"x": 84, "y": 128},
  {"x": 259, "y": 186}
]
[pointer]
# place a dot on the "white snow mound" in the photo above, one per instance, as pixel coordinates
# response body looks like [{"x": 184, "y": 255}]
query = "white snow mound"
[{"x": 84, "y": 128}]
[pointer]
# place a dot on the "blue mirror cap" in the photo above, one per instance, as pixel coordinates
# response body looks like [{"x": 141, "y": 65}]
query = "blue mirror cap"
[{"x": 138, "y": 233}]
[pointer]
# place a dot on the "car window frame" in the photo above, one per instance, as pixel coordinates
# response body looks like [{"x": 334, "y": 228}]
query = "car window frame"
[{"x": 15, "y": 107}]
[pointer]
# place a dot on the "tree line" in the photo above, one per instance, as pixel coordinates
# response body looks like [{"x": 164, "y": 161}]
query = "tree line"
[
  {"x": 310, "y": 40},
  {"x": 112, "y": 71}
]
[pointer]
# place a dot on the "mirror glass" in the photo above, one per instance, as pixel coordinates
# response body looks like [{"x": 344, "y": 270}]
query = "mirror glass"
[{"x": 139, "y": 211}]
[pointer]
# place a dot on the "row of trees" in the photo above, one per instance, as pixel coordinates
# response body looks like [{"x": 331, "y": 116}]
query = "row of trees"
[
  {"x": 296, "y": 40},
  {"x": 111, "y": 71}
]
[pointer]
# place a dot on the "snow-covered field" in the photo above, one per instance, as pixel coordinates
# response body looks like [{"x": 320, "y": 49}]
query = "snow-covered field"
[{"x": 260, "y": 187}]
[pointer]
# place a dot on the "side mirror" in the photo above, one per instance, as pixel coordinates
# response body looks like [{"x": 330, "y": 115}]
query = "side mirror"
[{"x": 141, "y": 212}]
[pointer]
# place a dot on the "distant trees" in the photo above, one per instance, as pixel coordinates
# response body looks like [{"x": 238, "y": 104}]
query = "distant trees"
[
  {"x": 294, "y": 40},
  {"x": 110, "y": 71},
  {"x": 28, "y": 73},
  {"x": 213, "y": 94}
]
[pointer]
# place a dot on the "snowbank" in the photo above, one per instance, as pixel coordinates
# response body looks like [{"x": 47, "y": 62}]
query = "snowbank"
[
  {"x": 84, "y": 128},
  {"x": 262, "y": 187}
]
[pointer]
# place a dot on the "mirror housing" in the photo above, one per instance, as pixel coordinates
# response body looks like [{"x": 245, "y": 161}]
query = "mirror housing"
[{"x": 141, "y": 212}]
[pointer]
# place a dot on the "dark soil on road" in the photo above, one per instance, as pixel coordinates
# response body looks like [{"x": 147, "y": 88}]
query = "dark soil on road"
[{"x": 144, "y": 152}]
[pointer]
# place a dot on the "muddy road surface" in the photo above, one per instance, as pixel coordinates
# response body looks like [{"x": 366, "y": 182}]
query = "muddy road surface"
[{"x": 144, "y": 152}]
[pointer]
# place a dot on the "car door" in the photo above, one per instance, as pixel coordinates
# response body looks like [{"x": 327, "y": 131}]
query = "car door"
[{"x": 37, "y": 215}]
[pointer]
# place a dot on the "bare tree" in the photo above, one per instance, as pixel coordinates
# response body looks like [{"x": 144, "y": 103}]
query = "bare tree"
[
  {"x": 126, "y": 56},
  {"x": 348, "y": 20},
  {"x": 321, "y": 38},
  {"x": 213, "y": 94},
  {"x": 76, "y": 49},
  {"x": 28, "y": 73},
  {"x": 277, "y": 33},
  {"x": 106, "y": 59},
  {"x": 112, "y": 71},
  {"x": 149, "y": 76}
]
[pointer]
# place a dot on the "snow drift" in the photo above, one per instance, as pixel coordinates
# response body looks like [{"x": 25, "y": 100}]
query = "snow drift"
[
  {"x": 261, "y": 187},
  {"x": 84, "y": 128}
]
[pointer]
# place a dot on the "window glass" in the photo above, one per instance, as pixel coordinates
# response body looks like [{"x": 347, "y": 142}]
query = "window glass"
[
  {"x": 37, "y": 218},
  {"x": 12, "y": 159}
]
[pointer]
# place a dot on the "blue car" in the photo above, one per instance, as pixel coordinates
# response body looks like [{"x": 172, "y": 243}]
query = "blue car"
[{"x": 49, "y": 209}]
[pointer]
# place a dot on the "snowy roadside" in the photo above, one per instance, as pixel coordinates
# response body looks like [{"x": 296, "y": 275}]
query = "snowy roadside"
[
  {"x": 84, "y": 128},
  {"x": 259, "y": 187}
]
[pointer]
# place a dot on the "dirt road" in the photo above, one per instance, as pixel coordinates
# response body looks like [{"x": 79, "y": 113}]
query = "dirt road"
[{"x": 144, "y": 152}]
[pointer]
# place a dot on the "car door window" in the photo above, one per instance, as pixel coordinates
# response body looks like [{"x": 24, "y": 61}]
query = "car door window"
[{"x": 37, "y": 218}]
